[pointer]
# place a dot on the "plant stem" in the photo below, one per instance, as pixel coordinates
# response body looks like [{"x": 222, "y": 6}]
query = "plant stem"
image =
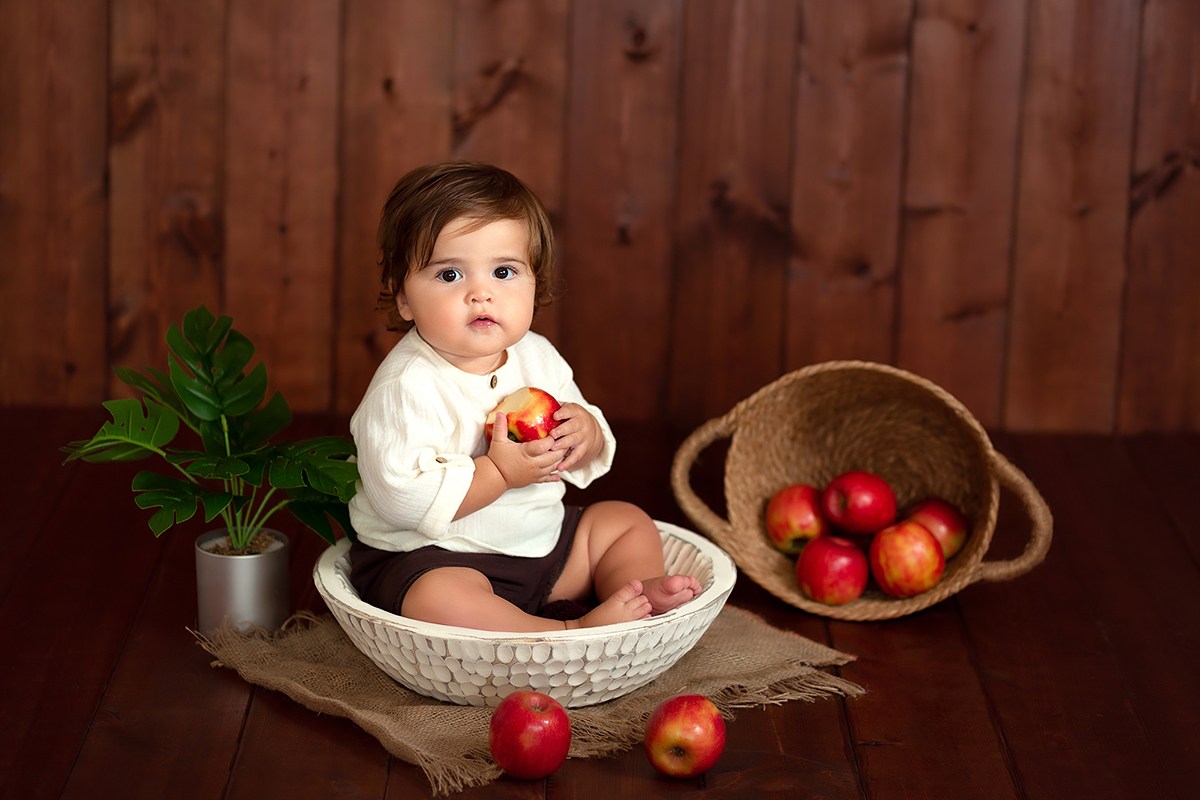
[
  {"x": 263, "y": 513},
  {"x": 238, "y": 531}
]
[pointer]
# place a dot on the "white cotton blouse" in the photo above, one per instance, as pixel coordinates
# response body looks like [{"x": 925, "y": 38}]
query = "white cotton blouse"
[{"x": 419, "y": 427}]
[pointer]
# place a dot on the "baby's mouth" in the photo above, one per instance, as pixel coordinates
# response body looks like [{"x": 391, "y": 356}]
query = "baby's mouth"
[{"x": 483, "y": 321}]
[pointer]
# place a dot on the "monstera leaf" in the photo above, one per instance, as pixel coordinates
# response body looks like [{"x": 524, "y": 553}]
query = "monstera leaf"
[
  {"x": 135, "y": 432},
  {"x": 207, "y": 368},
  {"x": 156, "y": 385},
  {"x": 318, "y": 463},
  {"x": 176, "y": 500},
  {"x": 315, "y": 509}
]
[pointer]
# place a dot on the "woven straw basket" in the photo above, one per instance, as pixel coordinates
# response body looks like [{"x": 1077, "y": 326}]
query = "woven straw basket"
[
  {"x": 578, "y": 668},
  {"x": 829, "y": 418}
]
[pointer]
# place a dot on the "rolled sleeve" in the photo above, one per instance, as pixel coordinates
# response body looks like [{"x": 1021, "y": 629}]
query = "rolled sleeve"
[{"x": 453, "y": 474}]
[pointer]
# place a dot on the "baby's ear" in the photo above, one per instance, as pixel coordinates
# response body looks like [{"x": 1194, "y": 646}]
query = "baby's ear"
[{"x": 402, "y": 307}]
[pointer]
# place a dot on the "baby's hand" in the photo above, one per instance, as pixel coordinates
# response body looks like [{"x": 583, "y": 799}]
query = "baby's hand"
[
  {"x": 522, "y": 463},
  {"x": 577, "y": 434}
]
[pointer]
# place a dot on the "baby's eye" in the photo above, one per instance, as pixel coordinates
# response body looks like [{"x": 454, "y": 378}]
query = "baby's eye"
[
  {"x": 504, "y": 273},
  {"x": 448, "y": 275}
]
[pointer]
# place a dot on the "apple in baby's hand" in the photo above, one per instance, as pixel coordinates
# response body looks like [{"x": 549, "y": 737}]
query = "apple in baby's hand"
[
  {"x": 529, "y": 735},
  {"x": 832, "y": 570},
  {"x": 906, "y": 559},
  {"x": 530, "y": 414},
  {"x": 685, "y": 736},
  {"x": 944, "y": 521},
  {"x": 859, "y": 502},
  {"x": 794, "y": 517}
]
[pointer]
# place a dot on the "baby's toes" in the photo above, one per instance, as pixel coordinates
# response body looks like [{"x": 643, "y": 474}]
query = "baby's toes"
[{"x": 629, "y": 592}]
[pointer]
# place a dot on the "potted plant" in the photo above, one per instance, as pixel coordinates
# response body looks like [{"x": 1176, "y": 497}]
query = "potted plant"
[{"x": 230, "y": 470}]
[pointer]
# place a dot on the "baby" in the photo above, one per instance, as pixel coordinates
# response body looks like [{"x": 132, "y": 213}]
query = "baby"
[{"x": 453, "y": 527}]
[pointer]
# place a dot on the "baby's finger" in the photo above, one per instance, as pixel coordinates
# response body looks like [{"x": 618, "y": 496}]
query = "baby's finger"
[
  {"x": 538, "y": 447},
  {"x": 567, "y": 439},
  {"x": 548, "y": 461},
  {"x": 566, "y": 428},
  {"x": 565, "y": 412},
  {"x": 569, "y": 460},
  {"x": 499, "y": 426}
]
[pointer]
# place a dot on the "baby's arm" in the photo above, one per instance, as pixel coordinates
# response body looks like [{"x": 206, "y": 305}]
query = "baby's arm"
[
  {"x": 508, "y": 465},
  {"x": 578, "y": 435}
]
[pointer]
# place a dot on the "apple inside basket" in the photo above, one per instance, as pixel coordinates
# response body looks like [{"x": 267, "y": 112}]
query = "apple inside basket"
[
  {"x": 830, "y": 418},
  {"x": 578, "y": 668}
]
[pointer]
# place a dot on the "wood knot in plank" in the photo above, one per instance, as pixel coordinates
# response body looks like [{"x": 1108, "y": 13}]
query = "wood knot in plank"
[
  {"x": 636, "y": 41},
  {"x": 1151, "y": 184},
  {"x": 196, "y": 226},
  {"x": 131, "y": 100},
  {"x": 494, "y": 82}
]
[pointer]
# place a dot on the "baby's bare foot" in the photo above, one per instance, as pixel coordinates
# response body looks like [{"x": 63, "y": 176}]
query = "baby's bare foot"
[
  {"x": 670, "y": 591},
  {"x": 624, "y": 605}
]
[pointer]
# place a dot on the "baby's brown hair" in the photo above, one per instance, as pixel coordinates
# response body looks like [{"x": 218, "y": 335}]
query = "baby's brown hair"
[{"x": 428, "y": 198}]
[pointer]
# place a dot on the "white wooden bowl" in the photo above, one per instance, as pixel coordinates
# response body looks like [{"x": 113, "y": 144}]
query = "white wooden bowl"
[{"x": 578, "y": 668}]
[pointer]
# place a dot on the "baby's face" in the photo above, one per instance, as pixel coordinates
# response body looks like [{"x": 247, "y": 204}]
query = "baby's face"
[{"x": 476, "y": 296}]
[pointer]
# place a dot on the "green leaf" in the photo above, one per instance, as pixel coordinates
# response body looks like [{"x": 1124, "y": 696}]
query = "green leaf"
[
  {"x": 244, "y": 395},
  {"x": 286, "y": 472},
  {"x": 258, "y": 462},
  {"x": 182, "y": 457},
  {"x": 315, "y": 511},
  {"x": 259, "y": 426},
  {"x": 143, "y": 383},
  {"x": 175, "y": 498},
  {"x": 312, "y": 515},
  {"x": 221, "y": 468},
  {"x": 207, "y": 371},
  {"x": 214, "y": 503},
  {"x": 156, "y": 384},
  {"x": 132, "y": 434},
  {"x": 196, "y": 393},
  {"x": 212, "y": 436},
  {"x": 233, "y": 357},
  {"x": 178, "y": 499},
  {"x": 183, "y": 349},
  {"x": 319, "y": 463},
  {"x": 203, "y": 331}
]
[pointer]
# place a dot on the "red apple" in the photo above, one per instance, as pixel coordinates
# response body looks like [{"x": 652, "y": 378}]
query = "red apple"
[
  {"x": 832, "y": 570},
  {"x": 529, "y": 735},
  {"x": 794, "y": 517},
  {"x": 906, "y": 559},
  {"x": 944, "y": 521},
  {"x": 685, "y": 736},
  {"x": 859, "y": 502},
  {"x": 530, "y": 414}
]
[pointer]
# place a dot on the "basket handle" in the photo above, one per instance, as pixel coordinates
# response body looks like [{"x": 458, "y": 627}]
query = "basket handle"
[
  {"x": 681, "y": 468},
  {"x": 1039, "y": 514}
]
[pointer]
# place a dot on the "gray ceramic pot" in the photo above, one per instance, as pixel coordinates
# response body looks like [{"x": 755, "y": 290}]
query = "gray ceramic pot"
[{"x": 246, "y": 591}]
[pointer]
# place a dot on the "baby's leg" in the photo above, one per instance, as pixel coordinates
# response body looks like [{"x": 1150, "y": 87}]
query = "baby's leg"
[
  {"x": 616, "y": 543},
  {"x": 463, "y": 597}
]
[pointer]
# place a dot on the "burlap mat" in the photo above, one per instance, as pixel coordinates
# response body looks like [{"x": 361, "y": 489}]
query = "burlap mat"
[{"x": 741, "y": 661}]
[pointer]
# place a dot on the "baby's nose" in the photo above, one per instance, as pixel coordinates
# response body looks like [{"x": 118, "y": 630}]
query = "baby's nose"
[{"x": 478, "y": 292}]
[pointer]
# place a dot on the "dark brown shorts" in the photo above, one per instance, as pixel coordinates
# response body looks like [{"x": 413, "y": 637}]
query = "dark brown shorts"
[{"x": 383, "y": 577}]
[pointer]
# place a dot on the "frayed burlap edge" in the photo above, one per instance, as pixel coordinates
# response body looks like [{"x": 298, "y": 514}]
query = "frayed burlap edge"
[{"x": 740, "y": 662}]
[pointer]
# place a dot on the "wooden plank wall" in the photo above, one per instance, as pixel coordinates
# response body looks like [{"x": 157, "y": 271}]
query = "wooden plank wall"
[{"x": 1000, "y": 195}]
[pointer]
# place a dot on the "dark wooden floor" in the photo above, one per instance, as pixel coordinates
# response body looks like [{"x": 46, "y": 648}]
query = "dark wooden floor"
[{"x": 1080, "y": 679}]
